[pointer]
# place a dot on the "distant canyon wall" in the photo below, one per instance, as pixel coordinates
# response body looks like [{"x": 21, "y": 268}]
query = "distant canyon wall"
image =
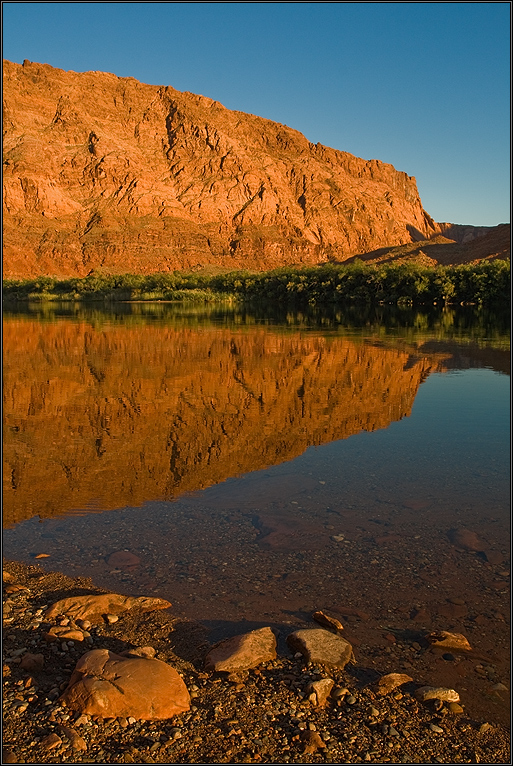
[
  {"x": 113, "y": 416},
  {"x": 103, "y": 172}
]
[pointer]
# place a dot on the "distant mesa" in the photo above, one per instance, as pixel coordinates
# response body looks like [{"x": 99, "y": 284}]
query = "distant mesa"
[{"x": 103, "y": 172}]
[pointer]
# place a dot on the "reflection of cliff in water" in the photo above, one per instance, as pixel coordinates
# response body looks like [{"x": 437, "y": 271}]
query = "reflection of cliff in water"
[{"x": 120, "y": 415}]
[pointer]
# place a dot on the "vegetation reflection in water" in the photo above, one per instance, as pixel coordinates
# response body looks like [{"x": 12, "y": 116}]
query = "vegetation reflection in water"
[{"x": 109, "y": 409}]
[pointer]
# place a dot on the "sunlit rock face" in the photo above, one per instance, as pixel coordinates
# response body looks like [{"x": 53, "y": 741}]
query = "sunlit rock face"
[
  {"x": 112, "y": 415},
  {"x": 107, "y": 172}
]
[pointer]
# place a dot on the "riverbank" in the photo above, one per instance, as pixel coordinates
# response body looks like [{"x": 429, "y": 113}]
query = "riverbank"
[
  {"x": 263, "y": 715},
  {"x": 486, "y": 283}
]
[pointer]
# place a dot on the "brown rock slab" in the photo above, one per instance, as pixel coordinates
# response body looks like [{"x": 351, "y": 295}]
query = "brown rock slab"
[
  {"x": 318, "y": 645},
  {"x": 93, "y": 607},
  {"x": 123, "y": 560},
  {"x": 442, "y": 639},
  {"x": 32, "y": 662},
  {"x": 8, "y": 756},
  {"x": 391, "y": 681},
  {"x": 328, "y": 622},
  {"x": 108, "y": 685},
  {"x": 242, "y": 652}
]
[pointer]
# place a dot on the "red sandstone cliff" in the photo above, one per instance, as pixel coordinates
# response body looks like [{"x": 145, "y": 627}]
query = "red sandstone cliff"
[{"x": 107, "y": 172}]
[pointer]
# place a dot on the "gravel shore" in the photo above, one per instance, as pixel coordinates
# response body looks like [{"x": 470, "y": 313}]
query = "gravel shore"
[{"x": 263, "y": 715}]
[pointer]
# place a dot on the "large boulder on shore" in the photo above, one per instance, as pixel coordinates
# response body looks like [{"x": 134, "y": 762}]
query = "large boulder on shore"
[{"x": 111, "y": 686}]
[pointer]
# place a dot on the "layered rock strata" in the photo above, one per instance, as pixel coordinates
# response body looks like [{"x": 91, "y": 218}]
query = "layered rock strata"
[{"x": 105, "y": 172}]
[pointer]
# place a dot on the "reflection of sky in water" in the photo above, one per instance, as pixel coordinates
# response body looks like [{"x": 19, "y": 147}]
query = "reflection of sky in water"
[
  {"x": 454, "y": 447},
  {"x": 459, "y": 424}
]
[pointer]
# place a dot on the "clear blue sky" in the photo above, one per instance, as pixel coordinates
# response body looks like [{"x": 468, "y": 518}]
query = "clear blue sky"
[{"x": 424, "y": 86}]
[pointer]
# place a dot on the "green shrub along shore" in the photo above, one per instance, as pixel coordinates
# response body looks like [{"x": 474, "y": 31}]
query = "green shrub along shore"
[{"x": 486, "y": 283}]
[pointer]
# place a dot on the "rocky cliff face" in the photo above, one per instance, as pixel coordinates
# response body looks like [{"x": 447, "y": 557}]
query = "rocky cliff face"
[
  {"x": 106, "y": 172},
  {"x": 113, "y": 416}
]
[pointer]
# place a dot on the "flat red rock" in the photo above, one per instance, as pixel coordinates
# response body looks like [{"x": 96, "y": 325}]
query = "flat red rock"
[
  {"x": 93, "y": 607},
  {"x": 242, "y": 652}
]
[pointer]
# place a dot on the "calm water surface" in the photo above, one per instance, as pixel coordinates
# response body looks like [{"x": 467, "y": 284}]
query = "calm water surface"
[{"x": 260, "y": 468}]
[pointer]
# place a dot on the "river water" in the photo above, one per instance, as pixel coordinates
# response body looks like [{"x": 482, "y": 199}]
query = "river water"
[{"x": 258, "y": 466}]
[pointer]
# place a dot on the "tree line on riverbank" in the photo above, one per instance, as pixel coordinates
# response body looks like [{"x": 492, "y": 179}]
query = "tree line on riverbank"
[{"x": 485, "y": 283}]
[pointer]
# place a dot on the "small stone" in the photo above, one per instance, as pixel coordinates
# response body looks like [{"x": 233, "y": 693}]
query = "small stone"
[
  {"x": 32, "y": 662},
  {"x": 454, "y": 707},
  {"x": 373, "y": 712},
  {"x": 42, "y": 556},
  {"x": 77, "y": 742},
  {"x": 328, "y": 622},
  {"x": 437, "y": 692},
  {"x": 499, "y": 687},
  {"x": 82, "y": 720},
  {"x": 320, "y": 690},
  {"x": 111, "y": 618},
  {"x": 436, "y": 728},
  {"x": 7, "y": 755},
  {"x": 391, "y": 681},
  {"x": 140, "y": 651},
  {"x": 350, "y": 700},
  {"x": 51, "y": 741},
  {"x": 485, "y": 727},
  {"x": 312, "y": 741},
  {"x": 339, "y": 692},
  {"x": 442, "y": 639}
]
